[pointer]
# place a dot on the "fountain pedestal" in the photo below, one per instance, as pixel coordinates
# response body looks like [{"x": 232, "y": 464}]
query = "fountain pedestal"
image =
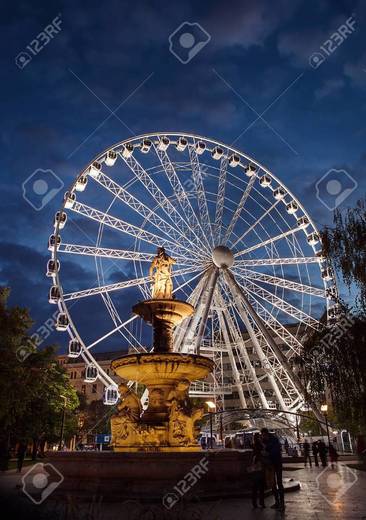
[{"x": 168, "y": 423}]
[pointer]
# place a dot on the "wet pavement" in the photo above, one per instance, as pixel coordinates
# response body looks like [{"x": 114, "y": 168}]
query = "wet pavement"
[{"x": 326, "y": 494}]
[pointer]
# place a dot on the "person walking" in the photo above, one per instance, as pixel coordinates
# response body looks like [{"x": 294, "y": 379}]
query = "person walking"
[
  {"x": 333, "y": 455},
  {"x": 315, "y": 450},
  {"x": 257, "y": 472},
  {"x": 307, "y": 456},
  {"x": 286, "y": 446},
  {"x": 322, "y": 453},
  {"x": 274, "y": 455},
  {"x": 22, "y": 450}
]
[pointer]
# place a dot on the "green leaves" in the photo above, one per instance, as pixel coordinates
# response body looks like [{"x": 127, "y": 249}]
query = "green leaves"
[
  {"x": 31, "y": 381},
  {"x": 345, "y": 248}
]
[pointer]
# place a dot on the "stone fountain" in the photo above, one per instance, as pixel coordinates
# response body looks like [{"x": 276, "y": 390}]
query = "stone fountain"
[
  {"x": 168, "y": 422},
  {"x": 155, "y": 450}
]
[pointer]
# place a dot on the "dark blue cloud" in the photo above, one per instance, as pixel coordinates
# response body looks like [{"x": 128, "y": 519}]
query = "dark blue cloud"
[{"x": 257, "y": 60}]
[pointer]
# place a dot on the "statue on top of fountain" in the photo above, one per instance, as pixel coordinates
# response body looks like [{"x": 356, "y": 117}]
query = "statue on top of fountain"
[{"x": 161, "y": 274}]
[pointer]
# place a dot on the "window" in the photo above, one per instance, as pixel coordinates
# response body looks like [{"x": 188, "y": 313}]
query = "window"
[
  {"x": 94, "y": 389},
  {"x": 83, "y": 389}
]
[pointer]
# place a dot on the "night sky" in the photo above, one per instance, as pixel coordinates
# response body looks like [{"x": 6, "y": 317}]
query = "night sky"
[{"x": 107, "y": 74}]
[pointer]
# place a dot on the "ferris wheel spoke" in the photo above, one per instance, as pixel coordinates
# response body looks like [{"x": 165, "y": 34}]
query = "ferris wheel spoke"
[
  {"x": 282, "y": 332},
  {"x": 279, "y": 282},
  {"x": 113, "y": 331},
  {"x": 243, "y": 353},
  {"x": 270, "y": 240},
  {"x": 118, "y": 254},
  {"x": 136, "y": 205},
  {"x": 205, "y": 306},
  {"x": 120, "y": 285},
  {"x": 187, "y": 282},
  {"x": 251, "y": 228},
  {"x": 125, "y": 332},
  {"x": 239, "y": 208},
  {"x": 163, "y": 201},
  {"x": 220, "y": 197},
  {"x": 277, "y": 261},
  {"x": 291, "y": 378},
  {"x": 125, "y": 227},
  {"x": 283, "y": 364},
  {"x": 200, "y": 193},
  {"x": 268, "y": 365},
  {"x": 181, "y": 340},
  {"x": 229, "y": 346},
  {"x": 182, "y": 198},
  {"x": 281, "y": 304}
]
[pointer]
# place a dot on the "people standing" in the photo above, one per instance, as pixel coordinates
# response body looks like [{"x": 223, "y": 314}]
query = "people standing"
[
  {"x": 22, "y": 450},
  {"x": 315, "y": 450},
  {"x": 274, "y": 455},
  {"x": 333, "y": 455},
  {"x": 307, "y": 456},
  {"x": 257, "y": 472},
  {"x": 322, "y": 453}
]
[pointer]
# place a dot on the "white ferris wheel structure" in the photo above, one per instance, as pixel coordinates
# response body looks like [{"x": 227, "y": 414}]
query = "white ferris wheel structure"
[{"x": 248, "y": 258}]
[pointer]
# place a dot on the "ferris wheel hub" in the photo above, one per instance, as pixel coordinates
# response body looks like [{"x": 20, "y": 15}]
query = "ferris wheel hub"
[{"x": 222, "y": 257}]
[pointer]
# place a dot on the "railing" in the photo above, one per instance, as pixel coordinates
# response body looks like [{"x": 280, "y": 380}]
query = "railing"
[{"x": 200, "y": 388}]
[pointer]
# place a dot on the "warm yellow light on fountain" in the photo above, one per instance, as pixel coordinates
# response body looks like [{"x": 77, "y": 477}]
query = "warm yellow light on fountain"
[{"x": 211, "y": 405}]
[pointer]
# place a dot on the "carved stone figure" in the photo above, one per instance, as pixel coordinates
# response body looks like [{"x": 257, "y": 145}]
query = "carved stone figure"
[
  {"x": 161, "y": 274},
  {"x": 130, "y": 405},
  {"x": 183, "y": 416},
  {"x": 180, "y": 394},
  {"x": 124, "y": 422}
]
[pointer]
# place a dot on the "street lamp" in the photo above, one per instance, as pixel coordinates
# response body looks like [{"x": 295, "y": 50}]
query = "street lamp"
[
  {"x": 62, "y": 423},
  {"x": 211, "y": 407},
  {"x": 324, "y": 409}
]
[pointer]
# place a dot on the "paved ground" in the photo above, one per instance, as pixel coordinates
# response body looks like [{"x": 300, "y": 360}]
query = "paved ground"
[{"x": 325, "y": 495}]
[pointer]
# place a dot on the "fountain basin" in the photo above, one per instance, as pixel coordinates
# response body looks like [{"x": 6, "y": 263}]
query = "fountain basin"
[{"x": 167, "y": 368}]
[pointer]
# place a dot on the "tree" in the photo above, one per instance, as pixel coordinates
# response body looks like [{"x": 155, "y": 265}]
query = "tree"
[
  {"x": 334, "y": 364},
  {"x": 334, "y": 357},
  {"x": 42, "y": 419},
  {"x": 95, "y": 418},
  {"x": 31, "y": 383},
  {"x": 344, "y": 246}
]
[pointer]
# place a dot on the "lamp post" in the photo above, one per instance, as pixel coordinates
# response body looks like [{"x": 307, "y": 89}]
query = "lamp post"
[
  {"x": 297, "y": 429},
  {"x": 324, "y": 409},
  {"x": 62, "y": 423},
  {"x": 211, "y": 407}
]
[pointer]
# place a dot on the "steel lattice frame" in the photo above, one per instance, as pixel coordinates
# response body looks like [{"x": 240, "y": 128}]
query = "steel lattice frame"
[{"x": 191, "y": 194}]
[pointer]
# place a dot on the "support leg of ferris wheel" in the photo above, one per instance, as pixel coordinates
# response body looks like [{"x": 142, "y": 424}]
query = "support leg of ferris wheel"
[
  {"x": 243, "y": 351},
  {"x": 259, "y": 351},
  {"x": 228, "y": 342},
  {"x": 208, "y": 301},
  {"x": 199, "y": 318},
  {"x": 262, "y": 359},
  {"x": 185, "y": 332},
  {"x": 237, "y": 290}
]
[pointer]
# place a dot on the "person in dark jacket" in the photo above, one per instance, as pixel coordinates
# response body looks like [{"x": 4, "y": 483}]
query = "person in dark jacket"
[
  {"x": 307, "y": 456},
  {"x": 22, "y": 450},
  {"x": 322, "y": 453},
  {"x": 333, "y": 455},
  {"x": 257, "y": 473},
  {"x": 274, "y": 454},
  {"x": 315, "y": 450}
]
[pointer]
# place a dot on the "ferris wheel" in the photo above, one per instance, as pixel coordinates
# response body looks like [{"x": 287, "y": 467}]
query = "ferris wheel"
[{"x": 248, "y": 258}]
